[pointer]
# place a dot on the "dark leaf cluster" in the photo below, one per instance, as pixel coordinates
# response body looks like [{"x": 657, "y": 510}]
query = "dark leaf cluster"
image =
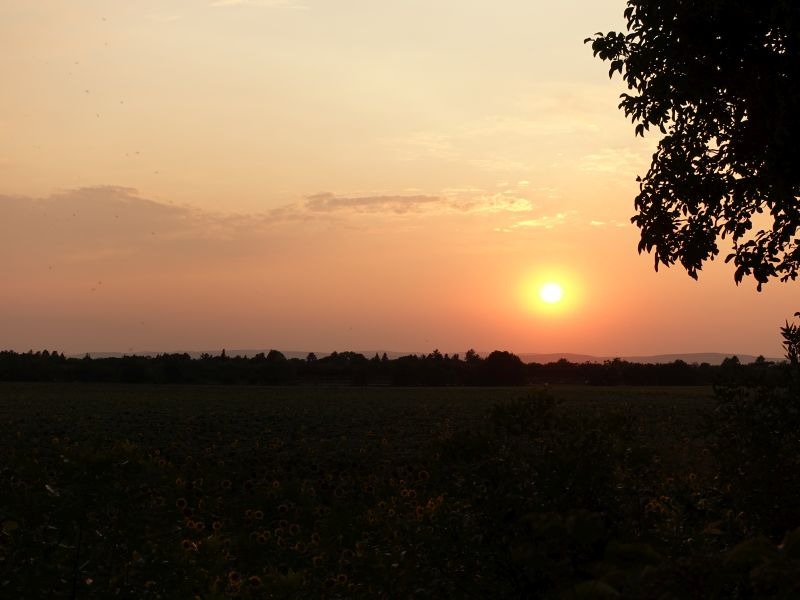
[{"x": 720, "y": 81}]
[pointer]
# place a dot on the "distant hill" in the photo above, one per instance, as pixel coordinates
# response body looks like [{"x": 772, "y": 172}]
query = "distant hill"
[
  {"x": 234, "y": 352},
  {"x": 712, "y": 358}
]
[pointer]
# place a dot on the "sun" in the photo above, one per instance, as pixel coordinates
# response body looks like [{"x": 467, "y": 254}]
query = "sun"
[{"x": 551, "y": 293}]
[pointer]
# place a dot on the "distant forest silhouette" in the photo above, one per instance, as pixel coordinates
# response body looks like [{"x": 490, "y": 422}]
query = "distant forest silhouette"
[{"x": 499, "y": 368}]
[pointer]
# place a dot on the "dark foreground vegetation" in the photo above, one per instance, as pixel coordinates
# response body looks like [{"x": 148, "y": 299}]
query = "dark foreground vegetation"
[
  {"x": 112, "y": 491},
  {"x": 499, "y": 368}
]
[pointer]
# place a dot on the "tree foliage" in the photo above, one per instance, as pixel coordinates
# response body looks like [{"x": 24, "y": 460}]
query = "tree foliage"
[
  {"x": 791, "y": 342},
  {"x": 720, "y": 79}
]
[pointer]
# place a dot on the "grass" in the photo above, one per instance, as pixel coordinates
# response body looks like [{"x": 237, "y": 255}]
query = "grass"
[{"x": 296, "y": 492}]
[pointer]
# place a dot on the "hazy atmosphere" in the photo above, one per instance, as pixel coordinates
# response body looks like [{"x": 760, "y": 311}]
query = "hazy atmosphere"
[{"x": 309, "y": 175}]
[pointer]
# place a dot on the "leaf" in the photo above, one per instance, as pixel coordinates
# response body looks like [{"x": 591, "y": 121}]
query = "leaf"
[
  {"x": 587, "y": 528},
  {"x": 790, "y": 547},
  {"x": 9, "y": 525},
  {"x": 713, "y": 528},
  {"x": 753, "y": 552},
  {"x": 590, "y": 590},
  {"x": 629, "y": 556}
]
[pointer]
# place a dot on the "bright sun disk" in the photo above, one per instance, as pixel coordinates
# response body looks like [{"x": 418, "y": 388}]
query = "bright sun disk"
[{"x": 551, "y": 293}]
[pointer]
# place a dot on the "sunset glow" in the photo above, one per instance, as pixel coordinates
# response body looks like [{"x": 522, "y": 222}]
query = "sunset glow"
[{"x": 328, "y": 176}]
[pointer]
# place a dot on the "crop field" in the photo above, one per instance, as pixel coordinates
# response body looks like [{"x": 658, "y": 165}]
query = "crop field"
[{"x": 317, "y": 492}]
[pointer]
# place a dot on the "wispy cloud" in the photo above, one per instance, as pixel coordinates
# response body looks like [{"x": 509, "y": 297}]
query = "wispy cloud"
[
  {"x": 506, "y": 201},
  {"x": 265, "y": 3},
  {"x": 98, "y": 223},
  {"x": 611, "y": 223},
  {"x": 545, "y": 110},
  {"x": 455, "y": 200},
  {"x": 164, "y": 18},
  {"x": 615, "y": 160},
  {"x": 499, "y": 164},
  {"x": 423, "y": 144},
  {"x": 108, "y": 225},
  {"x": 328, "y": 202},
  {"x": 543, "y": 222}
]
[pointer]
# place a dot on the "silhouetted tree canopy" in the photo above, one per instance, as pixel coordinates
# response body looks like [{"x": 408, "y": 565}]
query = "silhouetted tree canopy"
[
  {"x": 499, "y": 368},
  {"x": 720, "y": 79},
  {"x": 503, "y": 368}
]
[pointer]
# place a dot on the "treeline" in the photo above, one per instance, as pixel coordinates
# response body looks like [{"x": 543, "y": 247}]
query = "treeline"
[{"x": 499, "y": 368}]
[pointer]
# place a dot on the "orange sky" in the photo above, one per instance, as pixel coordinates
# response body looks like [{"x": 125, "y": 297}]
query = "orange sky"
[{"x": 309, "y": 175}]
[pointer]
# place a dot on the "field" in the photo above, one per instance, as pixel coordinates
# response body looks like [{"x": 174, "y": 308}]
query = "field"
[{"x": 260, "y": 492}]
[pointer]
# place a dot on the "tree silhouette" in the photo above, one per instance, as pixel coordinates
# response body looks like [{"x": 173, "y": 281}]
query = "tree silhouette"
[
  {"x": 721, "y": 82},
  {"x": 276, "y": 357},
  {"x": 791, "y": 342},
  {"x": 503, "y": 368}
]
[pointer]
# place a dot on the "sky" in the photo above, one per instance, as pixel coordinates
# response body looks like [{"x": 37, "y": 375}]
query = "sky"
[{"x": 351, "y": 175}]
